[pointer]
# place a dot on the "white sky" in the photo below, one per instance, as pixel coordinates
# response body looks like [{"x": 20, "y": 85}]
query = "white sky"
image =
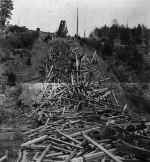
[{"x": 47, "y": 14}]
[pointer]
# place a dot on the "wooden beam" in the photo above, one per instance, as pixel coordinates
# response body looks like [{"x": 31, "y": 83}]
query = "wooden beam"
[
  {"x": 69, "y": 137},
  {"x": 34, "y": 141},
  {"x": 43, "y": 154},
  {"x": 101, "y": 148}
]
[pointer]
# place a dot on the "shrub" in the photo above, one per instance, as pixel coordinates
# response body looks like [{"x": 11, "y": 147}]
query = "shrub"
[
  {"x": 4, "y": 116},
  {"x": 11, "y": 79},
  {"x": 28, "y": 38},
  {"x": 17, "y": 29},
  {"x": 131, "y": 57},
  {"x": 107, "y": 49},
  {"x": 22, "y": 40}
]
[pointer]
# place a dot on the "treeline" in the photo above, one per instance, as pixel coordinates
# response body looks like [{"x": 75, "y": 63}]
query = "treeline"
[
  {"x": 123, "y": 48},
  {"x": 127, "y": 35}
]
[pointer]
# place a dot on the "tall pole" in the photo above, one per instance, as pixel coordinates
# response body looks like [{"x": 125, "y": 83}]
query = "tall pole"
[
  {"x": 77, "y": 23},
  {"x": 84, "y": 33}
]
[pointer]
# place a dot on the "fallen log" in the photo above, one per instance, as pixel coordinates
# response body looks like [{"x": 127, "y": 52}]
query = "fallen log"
[
  {"x": 42, "y": 147},
  {"x": 85, "y": 131}
]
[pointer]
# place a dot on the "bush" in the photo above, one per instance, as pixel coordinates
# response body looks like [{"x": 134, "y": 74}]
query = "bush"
[
  {"x": 28, "y": 38},
  {"x": 14, "y": 41},
  {"x": 17, "y": 29},
  {"x": 4, "y": 116},
  {"x": 22, "y": 40},
  {"x": 131, "y": 57},
  {"x": 107, "y": 49},
  {"x": 11, "y": 79}
]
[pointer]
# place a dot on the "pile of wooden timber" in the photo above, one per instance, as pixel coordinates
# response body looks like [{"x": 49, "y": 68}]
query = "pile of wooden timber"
[{"x": 84, "y": 123}]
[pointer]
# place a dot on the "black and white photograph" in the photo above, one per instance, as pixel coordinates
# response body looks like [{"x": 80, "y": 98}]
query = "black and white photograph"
[{"x": 74, "y": 81}]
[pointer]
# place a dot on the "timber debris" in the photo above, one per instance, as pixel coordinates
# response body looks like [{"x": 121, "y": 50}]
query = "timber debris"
[{"x": 84, "y": 121}]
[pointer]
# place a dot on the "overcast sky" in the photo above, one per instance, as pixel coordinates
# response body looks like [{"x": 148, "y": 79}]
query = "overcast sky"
[{"x": 47, "y": 14}]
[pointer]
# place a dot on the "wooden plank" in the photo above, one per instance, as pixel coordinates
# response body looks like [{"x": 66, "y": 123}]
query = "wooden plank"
[
  {"x": 61, "y": 149},
  {"x": 20, "y": 156},
  {"x": 102, "y": 148},
  {"x": 85, "y": 131},
  {"x": 90, "y": 157},
  {"x": 33, "y": 130},
  {"x": 113, "y": 93},
  {"x": 69, "y": 137},
  {"x": 53, "y": 154},
  {"x": 42, "y": 147},
  {"x": 24, "y": 157},
  {"x": 3, "y": 158},
  {"x": 43, "y": 154},
  {"x": 34, "y": 141},
  {"x": 66, "y": 143}
]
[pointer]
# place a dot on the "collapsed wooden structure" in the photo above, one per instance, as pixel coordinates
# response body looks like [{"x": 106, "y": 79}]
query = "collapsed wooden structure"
[{"x": 84, "y": 121}]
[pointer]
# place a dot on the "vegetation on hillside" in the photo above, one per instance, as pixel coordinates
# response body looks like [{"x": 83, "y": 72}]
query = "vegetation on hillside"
[
  {"x": 123, "y": 48},
  {"x": 6, "y": 7},
  {"x": 21, "y": 37},
  {"x": 16, "y": 51}
]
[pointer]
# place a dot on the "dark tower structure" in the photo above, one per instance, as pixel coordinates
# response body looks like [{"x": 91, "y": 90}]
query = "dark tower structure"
[{"x": 62, "y": 31}]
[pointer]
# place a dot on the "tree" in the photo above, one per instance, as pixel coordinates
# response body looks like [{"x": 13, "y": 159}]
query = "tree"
[
  {"x": 125, "y": 35},
  {"x": 6, "y": 7}
]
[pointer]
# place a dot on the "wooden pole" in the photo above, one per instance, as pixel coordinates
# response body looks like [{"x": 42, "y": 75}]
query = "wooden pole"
[
  {"x": 43, "y": 154},
  {"x": 101, "y": 148},
  {"x": 36, "y": 140},
  {"x": 77, "y": 23}
]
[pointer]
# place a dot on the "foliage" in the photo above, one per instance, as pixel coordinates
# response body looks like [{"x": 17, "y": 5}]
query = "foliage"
[
  {"x": 107, "y": 49},
  {"x": 17, "y": 29},
  {"x": 123, "y": 48},
  {"x": 90, "y": 43},
  {"x": 11, "y": 79},
  {"x": 6, "y": 7},
  {"x": 127, "y": 35},
  {"x": 23, "y": 39},
  {"x": 4, "y": 116},
  {"x": 131, "y": 57},
  {"x": 28, "y": 38}
]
